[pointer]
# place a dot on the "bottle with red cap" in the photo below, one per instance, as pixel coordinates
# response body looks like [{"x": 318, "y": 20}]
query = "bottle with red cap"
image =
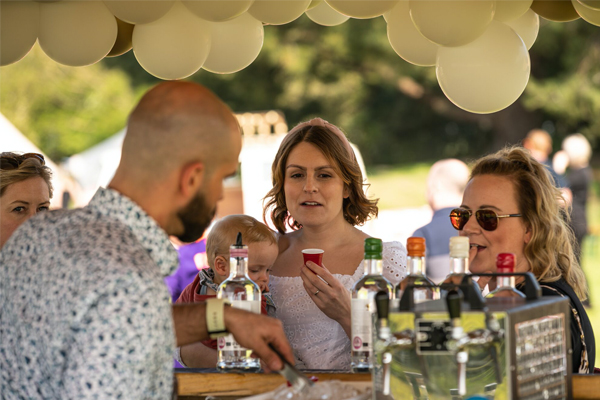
[
  {"x": 505, "y": 262},
  {"x": 415, "y": 247}
]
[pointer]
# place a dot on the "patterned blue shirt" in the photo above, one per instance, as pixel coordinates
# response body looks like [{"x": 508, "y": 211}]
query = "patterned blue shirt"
[{"x": 85, "y": 313}]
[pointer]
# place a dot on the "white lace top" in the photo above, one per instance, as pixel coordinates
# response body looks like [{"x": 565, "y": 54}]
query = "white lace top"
[{"x": 318, "y": 341}]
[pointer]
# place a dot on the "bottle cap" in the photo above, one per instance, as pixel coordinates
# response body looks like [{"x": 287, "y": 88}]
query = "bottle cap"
[
  {"x": 415, "y": 246},
  {"x": 505, "y": 262},
  {"x": 459, "y": 247},
  {"x": 373, "y": 249}
]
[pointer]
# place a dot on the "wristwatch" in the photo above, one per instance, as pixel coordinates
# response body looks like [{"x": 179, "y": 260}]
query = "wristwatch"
[{"x": 215, "y": 318}]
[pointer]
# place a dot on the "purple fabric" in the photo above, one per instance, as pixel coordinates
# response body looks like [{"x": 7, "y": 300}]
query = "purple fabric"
[{"x": 187, "y": 271}]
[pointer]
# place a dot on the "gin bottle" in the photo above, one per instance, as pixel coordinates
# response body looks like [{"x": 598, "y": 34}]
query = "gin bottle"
[
  {"x": 459, "y": 258},
  {"x": 505, "y": 262},
  {"x": 415, "y": 247},
  {"x": 243, "y": 293},
  {"x": 364, "y": 306}
]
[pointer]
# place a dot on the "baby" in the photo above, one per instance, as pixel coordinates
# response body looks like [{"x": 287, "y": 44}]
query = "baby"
[{"x": 262, "y": 252}]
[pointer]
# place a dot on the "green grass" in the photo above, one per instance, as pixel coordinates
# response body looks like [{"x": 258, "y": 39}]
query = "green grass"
[{"x": 404, "y": 187}]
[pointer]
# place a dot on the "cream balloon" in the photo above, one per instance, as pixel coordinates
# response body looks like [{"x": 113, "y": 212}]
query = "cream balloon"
[
  {"x": 555, "y": 10},
  {"x": 595, "y": 4},
  {"x": 218, "y": 10},
  {"x": 406, "y": 40},
  {"x": 175, "y": 46},
  {"x": 76, "y": 33},
  {"x": 278, "y": 12},
  {"x": 313, "y": 4},
  {"x": 486, "y": 75},
  {"x": 511, "y": 9},
  {"x": 19, "y": 26},
  {"x": 235, "y": 44},
  {"x": 362, "y": 9},
  {"x": 139, "y": 11},
  {"x": 588, "y": 14},
  {"x": 527, "y": 27},
  {"x": 123, "y": 43},
  {"x": 452, "y": 23},
  {"x": 324, "y": 15}
]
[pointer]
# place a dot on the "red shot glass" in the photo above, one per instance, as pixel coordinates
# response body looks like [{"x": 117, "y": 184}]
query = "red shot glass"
[{"x": 314, "y": 255}]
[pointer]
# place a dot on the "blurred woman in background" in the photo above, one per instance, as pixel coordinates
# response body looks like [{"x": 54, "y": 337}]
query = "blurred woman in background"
[{"x": 25, "y": 189}]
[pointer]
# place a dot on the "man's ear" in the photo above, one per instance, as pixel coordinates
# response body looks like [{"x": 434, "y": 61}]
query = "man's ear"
[
  {"x": 221, "y": 266},
  {"x": 191, "y": 179}
]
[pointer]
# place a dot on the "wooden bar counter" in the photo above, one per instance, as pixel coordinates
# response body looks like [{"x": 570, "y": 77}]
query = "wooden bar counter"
[{"x": 197, "y": 385}]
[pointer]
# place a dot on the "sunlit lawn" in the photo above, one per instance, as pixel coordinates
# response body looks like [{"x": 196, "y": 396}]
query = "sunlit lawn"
[{"x": 404, "y": 187}]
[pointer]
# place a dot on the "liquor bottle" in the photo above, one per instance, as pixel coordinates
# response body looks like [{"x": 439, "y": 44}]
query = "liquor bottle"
[
  {"x": 243, "y": 293},
  {"x": 364, "y": 306},
  {"x": 505, "y": 262},
  {"x": 459, "y": 258},
  {"x": 415, "y": 247}
]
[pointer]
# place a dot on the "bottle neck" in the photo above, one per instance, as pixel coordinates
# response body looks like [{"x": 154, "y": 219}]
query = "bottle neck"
[
  {"x": 506, "y": 281},
  {"x": 459, "y": 265},
  {"x": 373, "y": 267},
  {"x": 238, "y": 267},
  {"x": 416, "y": 265}
]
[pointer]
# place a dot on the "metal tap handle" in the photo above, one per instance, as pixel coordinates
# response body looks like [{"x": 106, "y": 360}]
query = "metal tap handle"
[
  {"x": 453, "y": 301},
  {"x": 387, "y": 372},
  {"x": 462, "y": 357},
  {"x": 382, "y": 301}
]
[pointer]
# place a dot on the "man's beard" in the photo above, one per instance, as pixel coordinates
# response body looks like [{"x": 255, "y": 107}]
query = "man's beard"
[{"x": 196, "y": 216}]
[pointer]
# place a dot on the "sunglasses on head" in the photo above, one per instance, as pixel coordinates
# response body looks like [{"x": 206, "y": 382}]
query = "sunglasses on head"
[
  {"x": 8, "y": 162},
  {"x": 487, "y": 219}
]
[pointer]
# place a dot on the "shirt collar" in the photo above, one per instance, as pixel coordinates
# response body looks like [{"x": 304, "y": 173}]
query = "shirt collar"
[{"x": 153, "y": 238}]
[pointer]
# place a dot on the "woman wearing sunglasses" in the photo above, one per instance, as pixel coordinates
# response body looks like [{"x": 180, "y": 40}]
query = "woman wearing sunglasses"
[
  {"x": 511, "y": 205},
  {"x": 25, "y": 189}
]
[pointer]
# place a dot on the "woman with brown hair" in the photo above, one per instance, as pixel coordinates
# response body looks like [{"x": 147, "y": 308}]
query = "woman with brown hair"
[
  {"x": 518, "y": 209},
  {"x": 317, "y": 200},
  {"x": 25, "y": 189}
]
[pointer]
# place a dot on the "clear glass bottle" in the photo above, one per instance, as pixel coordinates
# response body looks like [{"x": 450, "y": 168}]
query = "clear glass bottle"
[
  {"x": 459, "y": 258},
  {"x": 364, "y": 306},
  {"x": 505, "y": 262},
  {"x": 415, "y": 247},
  {"x": 245, "y": 294}
]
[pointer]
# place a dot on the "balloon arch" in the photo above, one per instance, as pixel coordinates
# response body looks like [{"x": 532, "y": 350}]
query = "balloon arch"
[{"x": 479, "y": 47}]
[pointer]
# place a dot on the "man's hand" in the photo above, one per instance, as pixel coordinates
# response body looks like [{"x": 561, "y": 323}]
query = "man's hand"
[{"x": 256, "y": 332}]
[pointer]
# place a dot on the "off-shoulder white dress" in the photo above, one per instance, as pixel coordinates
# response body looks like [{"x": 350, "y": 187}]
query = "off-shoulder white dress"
[{"x": 318, "y": 341}]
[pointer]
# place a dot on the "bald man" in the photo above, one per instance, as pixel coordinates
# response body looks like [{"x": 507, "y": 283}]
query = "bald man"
[
  {"x": 446, "y": 183},
  {"x": 85, "y": 312}
]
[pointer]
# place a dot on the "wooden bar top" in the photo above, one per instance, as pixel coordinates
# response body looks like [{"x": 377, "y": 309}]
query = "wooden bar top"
[{"x": 196, "y": 385}]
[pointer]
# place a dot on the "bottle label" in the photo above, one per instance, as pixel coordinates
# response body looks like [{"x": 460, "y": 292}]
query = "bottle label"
[
  {"x": 361, "y": 324},
  {"x": 228, "y": 343}
]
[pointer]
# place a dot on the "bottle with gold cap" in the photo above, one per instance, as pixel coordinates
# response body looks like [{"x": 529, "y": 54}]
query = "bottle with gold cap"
[
  {"x": 363, "y": 305},
  {"x": 459, "y": 258},
  {"x": 415, "y": 247},
  {"x": 505, "y": 262}
]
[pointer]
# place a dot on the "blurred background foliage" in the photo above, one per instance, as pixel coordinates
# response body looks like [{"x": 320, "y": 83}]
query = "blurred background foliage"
[{"x": 347, "y": 74}]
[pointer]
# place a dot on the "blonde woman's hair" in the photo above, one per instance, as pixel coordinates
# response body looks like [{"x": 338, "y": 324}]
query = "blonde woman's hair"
[
  {"x": 332, "y": 142},
  {"x": 26, "y": 169},
  {"x": 224, "y": 233},
  {"x": 550, "y": 250}
]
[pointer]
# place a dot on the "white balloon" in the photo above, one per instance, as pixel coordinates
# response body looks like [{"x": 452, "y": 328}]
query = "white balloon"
[
  {"x": 278, "y": 12},
  {"x": 235, "y": 44},
  {"x": 589, "y": 14},
  {"x": 452, "y": 22},
  {"x": 406, "y": 40},
  {"x": 486, "y": 75},
  {"x": 593, "y": 4},
  {"x": 175, "y": 46},
  {"x": 218, "y": 10},
  {"x": 362, "y": 9},
  {"x": 139, "y": 11},
  {"x": 511, "y": 9},
  {"x": 19, "y": 26},
  {"x": 324, "y": 15},
  {"x": 527, "y": 27},
  {"x": 76, "y": 33}
]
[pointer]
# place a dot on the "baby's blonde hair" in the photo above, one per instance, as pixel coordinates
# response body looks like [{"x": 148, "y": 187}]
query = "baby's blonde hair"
[{"x": 224, "y": 233}]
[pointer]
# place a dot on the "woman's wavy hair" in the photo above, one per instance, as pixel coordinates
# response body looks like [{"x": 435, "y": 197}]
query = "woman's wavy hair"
[
  {"x": 28, "y": 168},
  {"x": 332, "y": 142},
  {"x": 543, "y": 209}
]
